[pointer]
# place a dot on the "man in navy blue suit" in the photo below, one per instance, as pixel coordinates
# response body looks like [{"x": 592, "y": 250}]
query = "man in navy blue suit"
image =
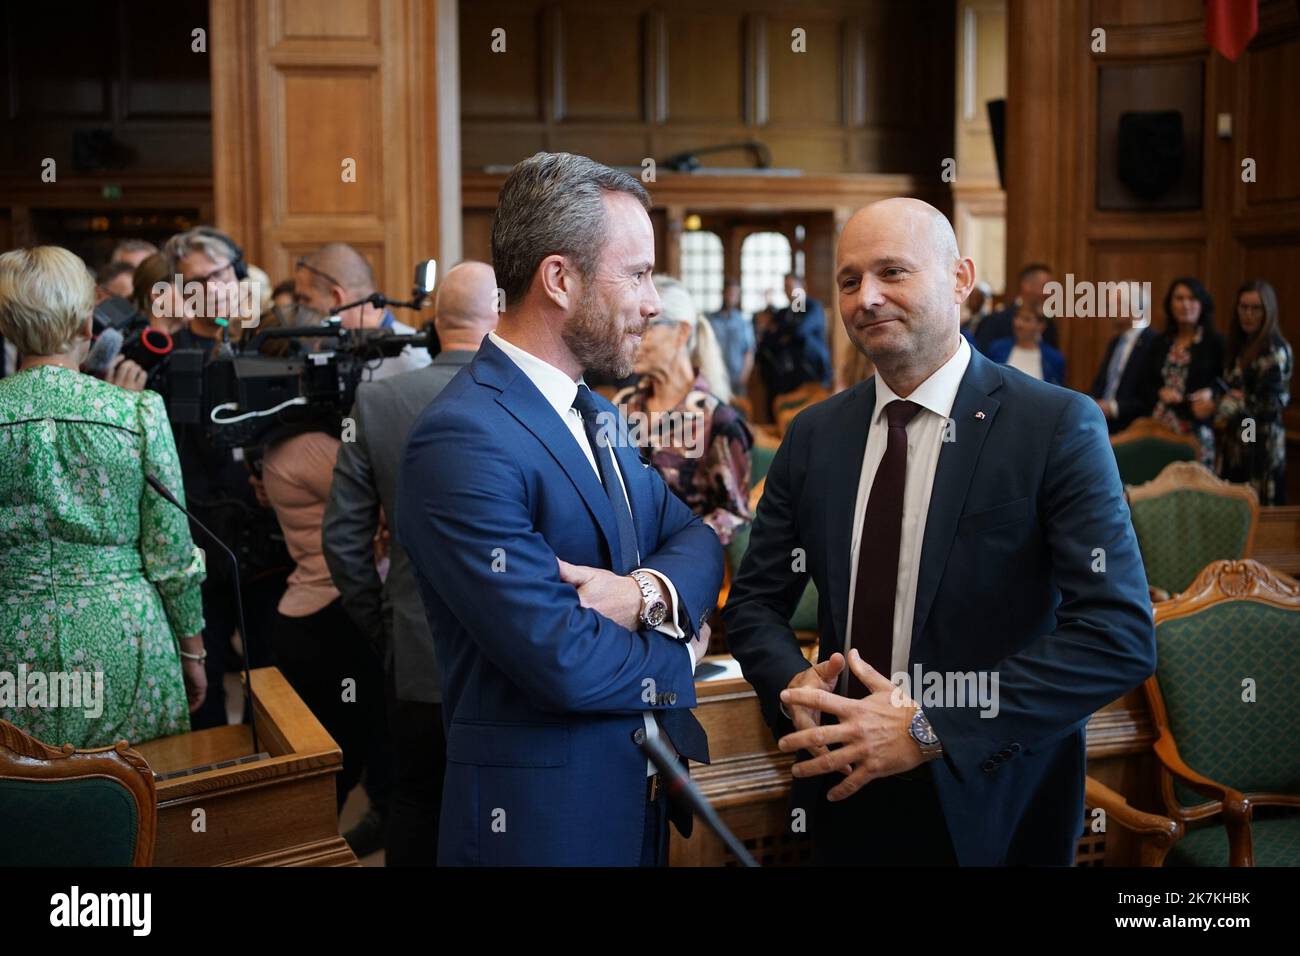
[
  {"x": 566, "y": 587},
  {"x": 980, "y": 587}
]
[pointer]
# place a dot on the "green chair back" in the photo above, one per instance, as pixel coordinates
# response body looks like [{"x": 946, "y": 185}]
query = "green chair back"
[
  {"x": 1180, "y": 532},
  {"x": 1229, "y": 675},
  {"x": 81, "y": 821},
  {"x": 760, "y": 462},
  {"x": 1143, "y": 459}
]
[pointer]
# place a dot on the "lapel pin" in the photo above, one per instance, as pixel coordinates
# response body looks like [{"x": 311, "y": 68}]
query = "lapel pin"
[{"x": 980, "y": 416}]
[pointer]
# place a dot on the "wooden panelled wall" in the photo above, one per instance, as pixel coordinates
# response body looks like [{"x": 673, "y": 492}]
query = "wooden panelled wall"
[
  {"x": 978, "y": 203},
  {"x": 624, "y": 81},
  {"x": 128, "y": 71},
  {"x": 1241, "y": 230},
  {"x": 302, "y": 88}
]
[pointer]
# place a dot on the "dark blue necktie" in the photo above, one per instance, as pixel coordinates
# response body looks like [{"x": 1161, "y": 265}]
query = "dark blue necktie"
[{"x": 585, "y": 403}]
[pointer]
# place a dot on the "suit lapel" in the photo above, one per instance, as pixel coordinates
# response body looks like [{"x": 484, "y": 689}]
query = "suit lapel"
[
  {"x": 972, "y": 415},
  {"x": 845, "y": 470},
  {"x": 529, "y": 407}
]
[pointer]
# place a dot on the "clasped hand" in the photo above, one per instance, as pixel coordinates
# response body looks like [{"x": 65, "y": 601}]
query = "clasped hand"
[{"x": 872, "y": 732}]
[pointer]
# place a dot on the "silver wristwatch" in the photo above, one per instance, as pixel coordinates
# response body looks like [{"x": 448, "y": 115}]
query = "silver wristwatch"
[
  {"x": 653, "y": 607},
  {"x": 925, "y": 736}
]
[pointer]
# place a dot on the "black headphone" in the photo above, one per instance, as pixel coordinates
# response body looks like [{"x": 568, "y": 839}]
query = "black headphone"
[{"x": 237, "y": 254}]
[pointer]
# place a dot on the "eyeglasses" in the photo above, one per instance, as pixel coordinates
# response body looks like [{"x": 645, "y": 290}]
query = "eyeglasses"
[
  {"x": 1250, "y": 309},
  {"x": 215, "y": 273}
]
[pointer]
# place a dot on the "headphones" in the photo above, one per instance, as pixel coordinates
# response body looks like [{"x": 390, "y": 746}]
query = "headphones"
[{"x": 236, "y": 253}]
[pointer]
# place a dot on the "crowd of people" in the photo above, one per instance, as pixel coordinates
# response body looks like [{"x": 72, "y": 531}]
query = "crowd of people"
[{"x": 101, "y": 573}]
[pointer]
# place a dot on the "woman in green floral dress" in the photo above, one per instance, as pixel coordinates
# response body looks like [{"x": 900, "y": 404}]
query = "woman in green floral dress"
[{"x": 98, "y": 573}]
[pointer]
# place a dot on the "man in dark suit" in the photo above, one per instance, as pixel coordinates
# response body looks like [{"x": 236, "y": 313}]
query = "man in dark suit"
[
  {"x": 1000, "y": 324},
  {"x": 1119, "y": 385},
  {"x": 565, "y": 585},
  {"x": 1008, "y": 606},
  {"x": 389, "y": 610},
  {"x": 792, "y": 345}
]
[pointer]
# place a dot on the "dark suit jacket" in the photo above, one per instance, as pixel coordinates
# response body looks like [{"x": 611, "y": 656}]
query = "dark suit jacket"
[
  {"x": 1204, "y": 371},
  {"x": 1022, "y": 499},
  {"x": 1129, "y": 397},
  {"x": 794, "y": 349},
  {"x": 543, "y": 699},
  {"x": 1000, "y": 324},
  {"x": 390, "y": 613}
]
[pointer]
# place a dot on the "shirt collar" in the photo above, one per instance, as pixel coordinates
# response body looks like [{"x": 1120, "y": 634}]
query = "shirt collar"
[
  {"x": 937, "y": 393},
  {"x": 556, "y": 387}
]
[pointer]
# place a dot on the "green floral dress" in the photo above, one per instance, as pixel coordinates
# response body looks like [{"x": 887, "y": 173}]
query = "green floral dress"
[{"x": 98, "y": 573}]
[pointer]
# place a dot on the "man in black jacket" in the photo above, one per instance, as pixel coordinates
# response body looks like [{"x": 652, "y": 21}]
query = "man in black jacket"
[{"x": 1118, "y": 385}]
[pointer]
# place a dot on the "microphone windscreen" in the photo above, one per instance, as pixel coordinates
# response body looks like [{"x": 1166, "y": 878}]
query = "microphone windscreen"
[{"x": 103, "y": 352}]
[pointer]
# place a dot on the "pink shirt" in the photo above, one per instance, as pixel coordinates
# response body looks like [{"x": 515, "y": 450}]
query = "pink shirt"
[{"x": 297, "y": 474}]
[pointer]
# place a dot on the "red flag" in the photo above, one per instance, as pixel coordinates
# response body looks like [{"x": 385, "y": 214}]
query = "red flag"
[{"x": 1230, "y": 25}]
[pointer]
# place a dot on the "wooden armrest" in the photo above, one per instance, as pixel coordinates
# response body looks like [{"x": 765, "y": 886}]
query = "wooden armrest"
[
  {"x": 1164, "y": 830},
  {"x": 1236, "y": 808}
]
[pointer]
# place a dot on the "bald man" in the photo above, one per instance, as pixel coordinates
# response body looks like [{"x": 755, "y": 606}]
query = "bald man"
[
  {"x": 389, "y": 609},
  {"x": 336, "y": 274},
  {"x": 980, "y": 590}
]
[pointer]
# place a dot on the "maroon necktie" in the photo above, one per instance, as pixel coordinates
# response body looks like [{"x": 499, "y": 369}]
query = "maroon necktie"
[{"x": 882, "y": 531}]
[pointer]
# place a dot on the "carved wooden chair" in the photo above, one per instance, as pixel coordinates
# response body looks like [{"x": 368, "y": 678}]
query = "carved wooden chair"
[
  {"x": 1144, "y": 449},
  {"x": 1185, "y": 518},
  {"x": 1225, "y": 701},
  {"x": 65, "y": 807}
]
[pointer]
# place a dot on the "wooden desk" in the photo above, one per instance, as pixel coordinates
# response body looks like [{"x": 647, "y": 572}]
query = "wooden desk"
[
  {"x": 278, "y": 811},
  {"x": 749, "y": 780}
]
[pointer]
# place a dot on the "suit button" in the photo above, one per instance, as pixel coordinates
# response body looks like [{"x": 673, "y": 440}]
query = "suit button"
[
  {"x": 1014, "y": 748},
  {"x": 988, "y": 766},
  {"x": 1005, "y": 754},
  {"x": 638, "y": 736}
]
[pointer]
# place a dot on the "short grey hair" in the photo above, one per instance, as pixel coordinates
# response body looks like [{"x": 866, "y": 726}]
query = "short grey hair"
[
  {"x": 197, "y": 240},
  {"x": 553, "y": 203}
]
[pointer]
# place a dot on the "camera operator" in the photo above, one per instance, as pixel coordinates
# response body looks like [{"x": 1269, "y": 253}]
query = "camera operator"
[
  {"x": 217, "y": 481},
  {"x": 390, "y": 611},
  {"x": 335, "y": 275}
]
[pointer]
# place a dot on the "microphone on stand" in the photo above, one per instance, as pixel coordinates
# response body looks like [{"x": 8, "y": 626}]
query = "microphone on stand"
[
  {"x": 159, "y": 487},
  {"x": 680, "y": 786}
]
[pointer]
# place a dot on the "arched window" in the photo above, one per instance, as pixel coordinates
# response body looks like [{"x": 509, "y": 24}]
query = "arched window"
[
  {"x": 764, "y": 263},
  {"x": 702, "y": 268}
]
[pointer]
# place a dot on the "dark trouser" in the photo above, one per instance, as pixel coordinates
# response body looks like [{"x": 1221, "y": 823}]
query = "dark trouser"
[
  {"x": 221, "y": 620},
  {"x": 316, "y": 654},
  {"x": 654, "y": 839},
  {"x": 893, "y": 821},
  {"x": 420, "y": 755}
]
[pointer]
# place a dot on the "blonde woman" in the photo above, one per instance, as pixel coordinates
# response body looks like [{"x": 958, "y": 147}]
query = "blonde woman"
[
  {"x": 697, "y": 442},
  {"x": 99, "y": 577}
]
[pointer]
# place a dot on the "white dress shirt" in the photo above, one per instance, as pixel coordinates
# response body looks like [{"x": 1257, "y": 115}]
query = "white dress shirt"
[
  {"x": 1029, "y": 361},
  {"x": 924, "y": 442},
  {"x": 559, "y": 391}
]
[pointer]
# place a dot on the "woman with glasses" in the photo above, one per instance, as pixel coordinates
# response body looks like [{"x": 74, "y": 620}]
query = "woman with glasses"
[
  {"x": 1252, "y": 447},
  {"x": 697, "y": 442}
]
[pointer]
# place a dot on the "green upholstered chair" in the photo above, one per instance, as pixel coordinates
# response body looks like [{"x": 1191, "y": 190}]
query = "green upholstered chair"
[
  {"x": 761, "y": 455},
  {"x": 1186, "y": 518},
  {"x": 1225, "y": 702},
  {"x": 66, "y": 807},
  {"x": 789, "y": 404},
  {"x": 1144, "y": 449}
]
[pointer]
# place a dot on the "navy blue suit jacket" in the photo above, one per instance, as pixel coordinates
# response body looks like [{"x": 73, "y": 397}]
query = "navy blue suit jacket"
[
  {"x": 542, "y": 698},
  {"x": 1009, "y": 581}
]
